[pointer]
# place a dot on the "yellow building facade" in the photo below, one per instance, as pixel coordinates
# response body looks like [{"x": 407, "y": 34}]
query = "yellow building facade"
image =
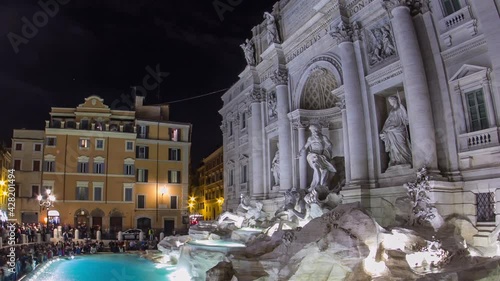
[
  {"x": 27, "y": 161},
  {"x": 109, "y": 168},
  {"x": 207, "y": 197}
]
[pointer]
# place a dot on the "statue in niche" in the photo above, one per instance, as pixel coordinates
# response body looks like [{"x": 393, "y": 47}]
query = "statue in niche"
[
  {"x": 275, "y": 166},
  {"x": 249, "y": 51},
  {"x": 394, "y": 134},
  {"x": 319, "y": 156},
  {"x": 272, "y": 30},
  {"x": 271, "y": 103},
  {"x": 382, "y": 44}
]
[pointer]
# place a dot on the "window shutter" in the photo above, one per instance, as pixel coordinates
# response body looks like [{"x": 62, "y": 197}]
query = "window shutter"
[
  {"x": 124, "y": 169},
  {"x": 145, "y": 175},
  {"x": 169, "y": 176},
  {"x": 147, "y": 131},
  {"x": 147, "y": 152},
  {"x": 137, "y": 176},
  {"x": 137, "y": 152},
  {"x": 178, "y": 177},
  {"x": 178, "y": 154}
]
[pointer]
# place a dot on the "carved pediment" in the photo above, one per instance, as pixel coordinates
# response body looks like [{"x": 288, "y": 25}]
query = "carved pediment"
[
  {"x": 243, "y": 158},
  {"x": 230, "y": 164},
  {"x": 468, "y": 70}
]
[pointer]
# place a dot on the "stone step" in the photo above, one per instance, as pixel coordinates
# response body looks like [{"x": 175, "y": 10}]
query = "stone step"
[{"x": 481, "y": 240}]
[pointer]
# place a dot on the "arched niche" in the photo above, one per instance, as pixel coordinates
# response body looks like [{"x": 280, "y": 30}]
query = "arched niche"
[{"x": 319, "y": 78}]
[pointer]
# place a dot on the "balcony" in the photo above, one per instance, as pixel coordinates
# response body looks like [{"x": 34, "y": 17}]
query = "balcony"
[
  {"x": 479, "y": 139},
  {"x": 456, "y": 19},
  {"x": 94, "y": 126}
]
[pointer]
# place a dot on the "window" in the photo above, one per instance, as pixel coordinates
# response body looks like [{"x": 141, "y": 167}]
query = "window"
[
  {"x": 17, "y": 165},
  {"x": 231, "y": 177},
  {"x": 51, "y": 141},
  {"x": 84, "y": 143},
  {"x": 35, "y": 191},
  {"x": 142, "y": 175},
  {"x": 142, "y": 152},
  {"x": 49, "y": 166},
  {"x": 485, "y": 207},
  {"x": 36, "y": 165},
  {"x": 129, "y": 146},
  {"x": 97, "y": 193},
  {"x": 141, "y": 201},
  {"x": 19, "y": 146},
  {"x": 85, "y": 124},
  {"x": 128, "y": 194},
  {"x": 98, "y": 168},
  {"x": 83, "y": 167},
  {"x": 128, "y": 169},
  {"x": 142, "y": 131},
  {"x": 37, "y": 147},
  {"x": 173, "y": 202},
  {"x": 478, "y": 119},
  {"x": 174, "y": 177},
  {"x": 174, "y": 154},
  {"x": 244, "y": 174},
  {"x": 450, "y": 6},
  {"x": 99, "y": 144},
  {"x": 175, "y": 134},
  {"x": 99, "y": 126},
  {"x": 82, "y": 193}
]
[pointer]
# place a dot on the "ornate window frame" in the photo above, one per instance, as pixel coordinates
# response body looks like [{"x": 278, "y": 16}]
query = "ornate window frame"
[{"x": 473, "y": 78}]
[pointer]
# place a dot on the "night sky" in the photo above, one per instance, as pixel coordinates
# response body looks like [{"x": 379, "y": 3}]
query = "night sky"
[{"x": 103, "y": 47}]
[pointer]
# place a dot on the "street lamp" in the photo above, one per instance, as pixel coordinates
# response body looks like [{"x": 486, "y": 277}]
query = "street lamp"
[{"x": 47, "y": 202}]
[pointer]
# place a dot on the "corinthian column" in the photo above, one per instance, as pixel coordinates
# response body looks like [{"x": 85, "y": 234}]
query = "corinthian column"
[
  {"x": 280, "y": 79},
  {"x": 257, "y": 189},
  {"x": 423, "y": 143},
  {"x": 356, "y": 129}
]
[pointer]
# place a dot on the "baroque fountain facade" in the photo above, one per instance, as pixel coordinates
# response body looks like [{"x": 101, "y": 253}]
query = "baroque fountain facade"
[{"x": 360, "y": 143}]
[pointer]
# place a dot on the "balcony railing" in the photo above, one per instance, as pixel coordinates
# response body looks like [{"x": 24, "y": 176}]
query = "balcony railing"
[
  {"x": 456, "y": 19},
  {"x": 95, "y": 126},
  {"x": 479, "y": 139}
]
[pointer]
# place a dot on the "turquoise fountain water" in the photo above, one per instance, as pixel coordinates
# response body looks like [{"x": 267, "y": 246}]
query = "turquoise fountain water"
[{"x": 102, "y": 267}]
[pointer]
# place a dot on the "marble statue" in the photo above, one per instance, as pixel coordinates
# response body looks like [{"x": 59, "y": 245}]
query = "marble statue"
[
  {"x": 423, "y": 211},
  {"x": 272, "y": 103},
  {"x": 275, "y": 166},
  {"x": 249, "y": 51},
  {"x": 244, "y": 213},
  {"x": 394, "y": 134},
  {"x": 272, "y": 30},
  {"x": 319, "y": 156}
]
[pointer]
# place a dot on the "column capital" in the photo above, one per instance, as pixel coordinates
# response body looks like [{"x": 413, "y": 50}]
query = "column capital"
[
  {"x": 414, "y": 6},
  {"x": 345, "y": 32},
  {"x": 280, "y": 77},
  {"x": 256, "y": 96},
  {"x": 299, "y": 124}
]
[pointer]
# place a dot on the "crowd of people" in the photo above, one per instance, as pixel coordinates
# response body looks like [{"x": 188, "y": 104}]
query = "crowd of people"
[{"x": 29, "y": 255}]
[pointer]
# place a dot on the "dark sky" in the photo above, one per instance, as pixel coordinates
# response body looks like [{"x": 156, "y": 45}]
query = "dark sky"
[{"x": 104, "y": 46}]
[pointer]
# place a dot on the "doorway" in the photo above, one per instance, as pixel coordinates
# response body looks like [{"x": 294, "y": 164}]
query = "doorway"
[
  {"x": 168, "y": 227},
  {"x": 144, "y": 224}
]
